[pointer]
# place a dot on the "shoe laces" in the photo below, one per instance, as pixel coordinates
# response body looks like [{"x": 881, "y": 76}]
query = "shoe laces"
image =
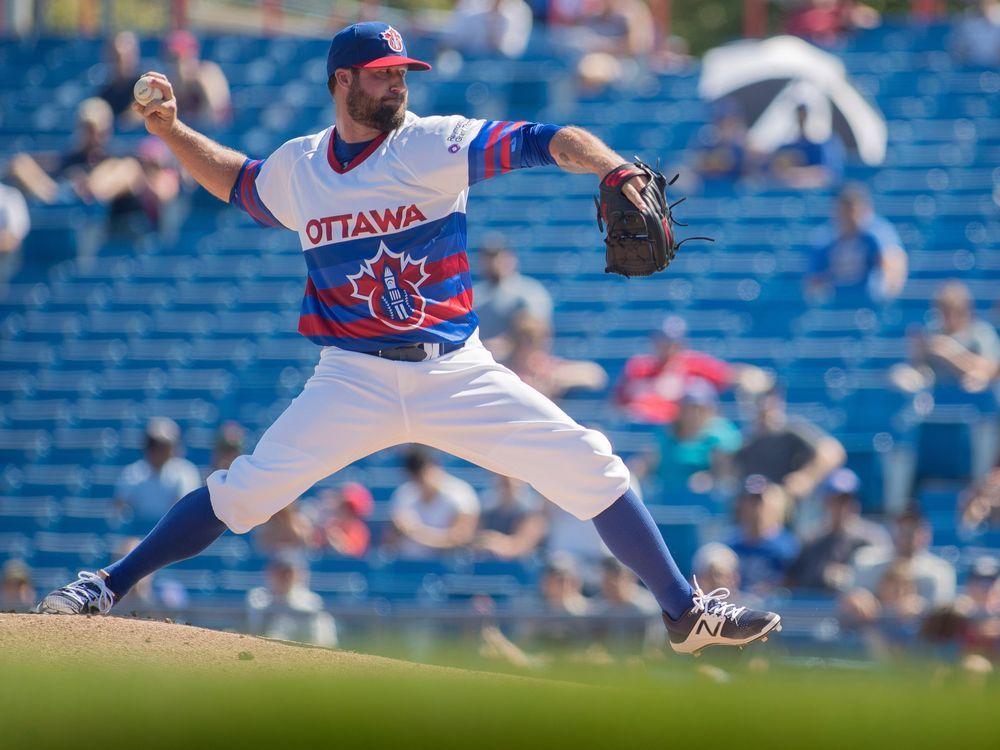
[
  {"x": 714, "y": 603},
  {"x": 89, "y": 589}
]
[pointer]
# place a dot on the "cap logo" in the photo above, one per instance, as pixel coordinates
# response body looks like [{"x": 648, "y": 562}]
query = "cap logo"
[{"x": 393, "y": 39}]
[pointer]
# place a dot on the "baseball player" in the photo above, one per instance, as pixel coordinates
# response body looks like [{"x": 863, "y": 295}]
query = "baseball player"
[{"x": 378, "y": 202}]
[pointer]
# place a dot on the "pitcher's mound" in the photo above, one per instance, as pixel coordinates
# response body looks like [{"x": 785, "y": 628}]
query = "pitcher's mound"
[{"x": 67, "y": 640}]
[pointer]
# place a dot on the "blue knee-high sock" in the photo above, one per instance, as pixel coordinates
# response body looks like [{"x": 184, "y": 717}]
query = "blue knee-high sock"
[
  {"x": 186, "y": 529},
  {"x": 630, "y": 533}
]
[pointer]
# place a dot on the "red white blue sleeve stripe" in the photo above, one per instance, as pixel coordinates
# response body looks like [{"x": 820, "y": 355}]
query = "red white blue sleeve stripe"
[
  {"x": 502, "y": 146},
  {"x": 244, "y": 194}
]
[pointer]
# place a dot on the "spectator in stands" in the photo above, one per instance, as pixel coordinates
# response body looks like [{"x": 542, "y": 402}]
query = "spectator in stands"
[
  {"x": 512, "y": 523},
  {"x": 630, "y": 617},
  {"x": 671, "y": 53},
  {"x": 934, "y": 576},
  {"x": 122, "y": 65},
  {"x": 504, "y": 293},
  {"x": 651, "y": 385},
  {"x": 888, "y": 617},
  {"x": 286, "y": 609},
  {"x": 715, "y": 566},
  {"x": 15, "y": 224},
  {"x": 200, "y": 86},
  {"x": 151, "y": 485},
  {"x": 157, "y": 184},
  {"x": 958, "y": 350},
  {"x": 527, "y": 350},
  {"x": 766, "y": 549},
  {"x": 859, "y": 253},
  {"x": 806, "y": 163},
  {"x": 135, "y": 188},
  {"x": 16, "y": 591},
  {"x": 82, "y": 169},
  {"x": 157, "y": 591},
  {"x": 492, "y": 27},
  {"x": 980, "y": 603},
  {"x": 622, "y": 28},
  {"x": 229, "y": 443},
  {"x": 433, "y": 512},
  {"x": 793, "y": 453},
  {"x": 562, "y": 600},
  {"x": 826, "y": 22},
  {"x": 697, "y": 448},
  {"x": 976, "y": 39},
  {"x": 570, "y": 537},
  {"x": 980, "y": 507},
  {"x": 559, "y": 626},
  {"x": 342, "y": 527},
  {"x": 722, "y": 153},
  {"x": 288, "y": 530},
  {"x": 611, "y": 35},
  {"x": 825, "y": 561}
]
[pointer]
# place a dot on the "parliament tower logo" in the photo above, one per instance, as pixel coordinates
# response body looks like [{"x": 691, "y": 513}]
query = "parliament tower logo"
[{"x": 390, "y": 284}]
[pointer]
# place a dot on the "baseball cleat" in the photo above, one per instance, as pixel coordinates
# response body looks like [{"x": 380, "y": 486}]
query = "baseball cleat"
[
  {"x": 87, "y": 595},
  {"x": 712, "y": 621}
]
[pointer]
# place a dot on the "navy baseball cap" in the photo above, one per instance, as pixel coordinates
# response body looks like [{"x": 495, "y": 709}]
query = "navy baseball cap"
[{"x": 369, "y": 45}]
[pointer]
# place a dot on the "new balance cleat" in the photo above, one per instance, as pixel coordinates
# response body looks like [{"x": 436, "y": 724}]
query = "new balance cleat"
[
  {"x": 712, "y": 621},
  {"x": 87, "y": 595}
]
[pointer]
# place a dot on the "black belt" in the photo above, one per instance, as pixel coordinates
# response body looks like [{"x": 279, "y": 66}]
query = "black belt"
[{"x": 416, "y": 352}]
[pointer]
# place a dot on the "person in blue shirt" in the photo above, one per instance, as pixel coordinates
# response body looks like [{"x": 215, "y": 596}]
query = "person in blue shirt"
[
  {"x": 697, "y": 447},
  {"x": 806, "y": 163},
  {"x": 859, "y": 254},
  {"x": 766, "y": 549},
  {"x": 722, "y": 152}
]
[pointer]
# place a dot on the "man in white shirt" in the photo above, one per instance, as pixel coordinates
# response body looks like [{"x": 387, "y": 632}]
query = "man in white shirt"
[
  {"x": 14, "y": 227},
  {"x": 504, "y": 293},
  {"x": 490, "y": 26},
  {"x": 287, "y": 609},
  {"x": 935, "y": 576},
  {"x": 433, "y": 512},
  {"x": 151, "y": 485}
]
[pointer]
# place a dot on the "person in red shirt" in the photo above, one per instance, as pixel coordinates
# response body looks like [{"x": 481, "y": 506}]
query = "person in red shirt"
[
  {"x": 651, "y": 385},
  {"x": 345, "y": 530},
  {"x": 825, "y": 22}
]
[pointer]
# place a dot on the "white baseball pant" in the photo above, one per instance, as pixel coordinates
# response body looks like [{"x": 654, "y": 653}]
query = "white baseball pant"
[{"x": 463, "y": 403}]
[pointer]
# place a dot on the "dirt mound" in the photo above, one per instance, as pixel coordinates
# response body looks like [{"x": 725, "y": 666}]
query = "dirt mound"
[{"x": 37, "y": 639}]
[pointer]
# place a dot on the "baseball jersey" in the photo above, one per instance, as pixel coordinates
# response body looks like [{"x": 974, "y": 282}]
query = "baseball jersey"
[{"x": 384, "y": 238}]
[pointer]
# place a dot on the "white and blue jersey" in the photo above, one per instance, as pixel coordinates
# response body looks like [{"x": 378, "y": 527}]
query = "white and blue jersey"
[{"x": 384, "y": 237}]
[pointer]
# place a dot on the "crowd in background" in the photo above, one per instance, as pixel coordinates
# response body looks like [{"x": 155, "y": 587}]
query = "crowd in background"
[{"x": 795, "y": 519}]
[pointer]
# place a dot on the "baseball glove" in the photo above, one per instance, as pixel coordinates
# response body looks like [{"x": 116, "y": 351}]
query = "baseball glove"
[{"x": 638, "y": 243}]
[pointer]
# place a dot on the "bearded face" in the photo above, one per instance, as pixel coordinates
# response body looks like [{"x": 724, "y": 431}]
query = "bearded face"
[{"x": 382, "y": 113}]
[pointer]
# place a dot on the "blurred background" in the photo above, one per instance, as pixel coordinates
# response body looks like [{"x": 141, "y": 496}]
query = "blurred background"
[{"x": 808, "y": 404}]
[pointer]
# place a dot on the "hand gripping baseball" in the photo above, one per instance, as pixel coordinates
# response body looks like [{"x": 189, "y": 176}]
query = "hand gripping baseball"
[
  {"x": 640, "y": 239},
  {"x": 159, "y": 114}
]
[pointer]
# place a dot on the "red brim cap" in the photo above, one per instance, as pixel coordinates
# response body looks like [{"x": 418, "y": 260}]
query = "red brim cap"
[{"x": 393, "y": 60}]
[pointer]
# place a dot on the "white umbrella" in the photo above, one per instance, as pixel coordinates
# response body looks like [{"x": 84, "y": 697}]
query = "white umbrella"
[{"x": 770, "y": 78}]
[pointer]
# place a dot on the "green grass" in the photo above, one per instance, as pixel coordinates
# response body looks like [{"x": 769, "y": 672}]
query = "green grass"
[{"x": 661, "y": 708}]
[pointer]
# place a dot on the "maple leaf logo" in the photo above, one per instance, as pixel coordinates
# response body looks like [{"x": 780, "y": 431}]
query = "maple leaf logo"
[
  {"x": 393, "y": 39},
  {"x": 390, "y": 284}
]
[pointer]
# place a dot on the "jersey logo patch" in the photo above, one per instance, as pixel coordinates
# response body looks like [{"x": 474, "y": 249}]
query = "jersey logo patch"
[
  {"x": 393, "y": 39},
  {"x": 390, "y": 284}
]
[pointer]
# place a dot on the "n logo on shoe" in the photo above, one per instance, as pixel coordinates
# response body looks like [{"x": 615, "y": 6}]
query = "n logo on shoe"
[{"x": 703, "y": 624}]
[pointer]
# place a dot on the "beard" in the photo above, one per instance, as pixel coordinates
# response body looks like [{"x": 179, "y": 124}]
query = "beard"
[{"x": 382, "y": 114}]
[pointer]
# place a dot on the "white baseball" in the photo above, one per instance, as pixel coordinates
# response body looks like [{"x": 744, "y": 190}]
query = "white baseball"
[{"x": 144, "y": 93}]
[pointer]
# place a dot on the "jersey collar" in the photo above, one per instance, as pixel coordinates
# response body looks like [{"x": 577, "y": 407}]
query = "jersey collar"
[{"x": 331, "y": 157}]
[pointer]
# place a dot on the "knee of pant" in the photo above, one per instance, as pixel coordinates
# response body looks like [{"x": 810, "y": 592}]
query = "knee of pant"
[{"x": 237, "y": 507}]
